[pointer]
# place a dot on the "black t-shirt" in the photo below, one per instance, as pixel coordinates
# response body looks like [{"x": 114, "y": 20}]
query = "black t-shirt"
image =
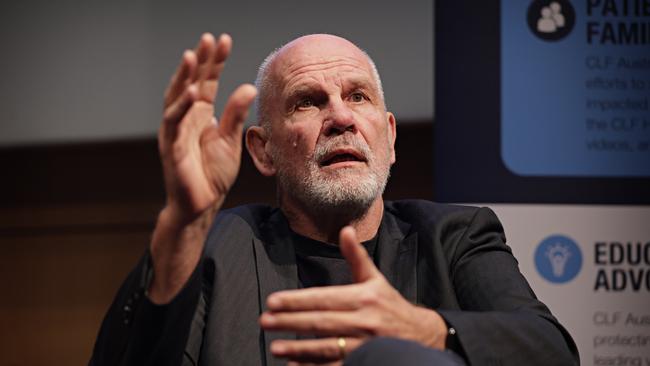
[{"x": 323, "y": 264}]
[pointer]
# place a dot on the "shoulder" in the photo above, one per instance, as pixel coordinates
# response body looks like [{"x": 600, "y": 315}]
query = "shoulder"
[
  {"x": 253, "y": 214},
  {"x": 422, "y": 212},
  {"x": 444, "y": 223},
  {"x": 241, "y": 222}
]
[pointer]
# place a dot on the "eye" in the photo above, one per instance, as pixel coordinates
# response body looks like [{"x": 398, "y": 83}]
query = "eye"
[
  {"x": 305, "y": 103},
  {"x": 357, "y": 97}
]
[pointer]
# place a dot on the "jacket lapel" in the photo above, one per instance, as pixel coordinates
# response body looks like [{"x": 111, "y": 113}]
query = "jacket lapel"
[
  {"x": 276, "y": 270},
  {"x": 396, "y": 255}
]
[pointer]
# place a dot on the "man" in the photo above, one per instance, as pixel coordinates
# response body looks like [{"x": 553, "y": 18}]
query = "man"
[{"x": 239, "y": 289}]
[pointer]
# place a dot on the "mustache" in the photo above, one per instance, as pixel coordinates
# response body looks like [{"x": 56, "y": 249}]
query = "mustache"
[{"x": 345, "y": 141}]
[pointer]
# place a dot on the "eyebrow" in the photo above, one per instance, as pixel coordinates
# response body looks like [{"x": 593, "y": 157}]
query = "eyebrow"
[
  {"x": 366, "y": 85},
  {"x": 308, "y": 88},
  {"x": 302, "y": 91},
  {"x": 360, "y": 83}
]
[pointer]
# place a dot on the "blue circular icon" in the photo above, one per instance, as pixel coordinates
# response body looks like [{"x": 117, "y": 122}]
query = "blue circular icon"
[{"x": 558, "y": 259}]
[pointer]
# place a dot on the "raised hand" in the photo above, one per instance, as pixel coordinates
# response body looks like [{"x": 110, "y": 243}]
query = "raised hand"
[
  {"x": 369, "y": 307},
  {"x": 200, "y": 158}
]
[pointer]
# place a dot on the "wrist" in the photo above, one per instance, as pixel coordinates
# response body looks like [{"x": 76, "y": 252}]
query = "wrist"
[
  {"x": 174, "y": 217},
  {"x": 174, "y": 222},
  {"x": 176, "y": 248},
  {"x": 434, "y": 328}
]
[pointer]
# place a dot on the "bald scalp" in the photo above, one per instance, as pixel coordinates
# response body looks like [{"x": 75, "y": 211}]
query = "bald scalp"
[{"x": 267, "y": 80}]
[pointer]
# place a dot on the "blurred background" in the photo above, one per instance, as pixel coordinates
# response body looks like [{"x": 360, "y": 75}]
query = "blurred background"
[
  {"x": 80, "y": 102},
  {"x": 498, "y": 103}
]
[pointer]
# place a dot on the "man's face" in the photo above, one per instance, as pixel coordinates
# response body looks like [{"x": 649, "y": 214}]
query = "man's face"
[{"x": 331, "y": 138}]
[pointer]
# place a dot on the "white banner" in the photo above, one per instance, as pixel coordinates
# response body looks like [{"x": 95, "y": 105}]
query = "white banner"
[{"x": 591, "y": 265}]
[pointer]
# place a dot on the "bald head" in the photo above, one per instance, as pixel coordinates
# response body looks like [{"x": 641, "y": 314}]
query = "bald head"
[{"x": 313, "y": 47}]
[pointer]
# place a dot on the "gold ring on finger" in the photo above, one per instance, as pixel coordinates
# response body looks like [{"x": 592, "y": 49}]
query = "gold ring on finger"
[{"x": 340, "y": 341}]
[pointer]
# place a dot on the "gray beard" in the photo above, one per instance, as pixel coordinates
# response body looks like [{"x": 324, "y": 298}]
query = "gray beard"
[{"x": 345, "y": 192}]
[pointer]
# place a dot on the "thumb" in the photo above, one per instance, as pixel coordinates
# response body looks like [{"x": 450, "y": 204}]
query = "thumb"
[{"x": 356, "y": 255}]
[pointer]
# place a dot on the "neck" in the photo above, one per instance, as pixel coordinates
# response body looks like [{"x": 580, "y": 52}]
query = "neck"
[{"x": 326, "y": 227}]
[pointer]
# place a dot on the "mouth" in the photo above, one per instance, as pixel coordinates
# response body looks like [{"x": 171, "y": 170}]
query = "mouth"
[{"x": 342, "y": 156}]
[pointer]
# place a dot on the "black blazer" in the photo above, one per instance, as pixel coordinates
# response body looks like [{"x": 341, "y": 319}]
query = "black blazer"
[{"x": 449, "y": 258}]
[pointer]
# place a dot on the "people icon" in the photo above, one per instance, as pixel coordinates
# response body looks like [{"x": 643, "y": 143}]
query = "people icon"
[
  {"x": 556, "y": 10},
  {"x": 551, "y": 19}
]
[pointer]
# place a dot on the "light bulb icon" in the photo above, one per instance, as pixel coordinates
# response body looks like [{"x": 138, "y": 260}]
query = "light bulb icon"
[{"x": 558, "y": 255}]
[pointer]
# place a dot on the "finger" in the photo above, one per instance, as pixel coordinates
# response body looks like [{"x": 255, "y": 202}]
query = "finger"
[
  {"x": 175, "y": 112},
  {"x": 204, "y": 49},
  {"x": 296, "y": 363},
  {"x": 356, "y": 255},
  {"x": 223, "y": 48},
  {"x": 182, "y": 77},
  {"x": 197, "y": 120},
  {"x": 236, "y": 111},
  {"x": 320, "y": 323},
  {"x": 314, "y": 350},
  {"x": 345, "y": 297},
  {"x": 207, "y": 49},
  {"x": 210, "y": 70},
  {"x": 308, "y": 350}
]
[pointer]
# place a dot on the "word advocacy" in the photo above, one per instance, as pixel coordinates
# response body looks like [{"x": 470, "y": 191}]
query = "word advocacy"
[{"x": 623, "y": 266}]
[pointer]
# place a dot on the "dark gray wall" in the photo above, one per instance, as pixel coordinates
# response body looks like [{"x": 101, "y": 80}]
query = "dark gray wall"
[{"x": 91, "y": 70}]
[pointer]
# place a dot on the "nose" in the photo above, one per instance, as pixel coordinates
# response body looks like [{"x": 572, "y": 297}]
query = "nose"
[{"x": 339, "y": 119}]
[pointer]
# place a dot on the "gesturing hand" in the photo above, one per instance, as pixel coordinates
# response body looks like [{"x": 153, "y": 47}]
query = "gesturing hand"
[
  {"x": 369, "y": 307},
  {"x": 201, "y": 157}
]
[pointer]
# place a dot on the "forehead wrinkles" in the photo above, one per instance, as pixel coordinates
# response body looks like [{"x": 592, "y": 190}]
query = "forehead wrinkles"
[{"x": 322, "y": 69}]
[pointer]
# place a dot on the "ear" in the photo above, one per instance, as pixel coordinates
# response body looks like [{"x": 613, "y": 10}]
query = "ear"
[
  {"x": 256, "y": 144},
  {"x": 392, "y": 135}
]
